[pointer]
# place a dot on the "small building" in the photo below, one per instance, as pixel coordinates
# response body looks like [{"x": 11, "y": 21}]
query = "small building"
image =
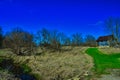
[{"x": 105, "y": 40}]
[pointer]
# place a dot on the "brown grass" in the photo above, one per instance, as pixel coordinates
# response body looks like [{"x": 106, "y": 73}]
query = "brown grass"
[
  {"x": 110, "y": 50},
  {"x": 65, "y": 64}
]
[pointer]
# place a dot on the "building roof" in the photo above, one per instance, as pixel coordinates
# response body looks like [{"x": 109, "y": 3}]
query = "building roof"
[{"x": 105, "y": 38}]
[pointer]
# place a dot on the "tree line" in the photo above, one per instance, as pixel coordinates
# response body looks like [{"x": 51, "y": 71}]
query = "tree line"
[{"x": 22, "y": 42}]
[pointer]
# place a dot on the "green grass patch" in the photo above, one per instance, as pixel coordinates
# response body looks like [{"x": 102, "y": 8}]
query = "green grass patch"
[
  {"x": 1, "y": 59},
  {"x": 103, "y": 61},
  {"x": 26, "y": 68}
]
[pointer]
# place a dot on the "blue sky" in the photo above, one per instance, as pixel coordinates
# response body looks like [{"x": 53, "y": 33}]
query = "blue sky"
[{"x": 68, "y": 16}]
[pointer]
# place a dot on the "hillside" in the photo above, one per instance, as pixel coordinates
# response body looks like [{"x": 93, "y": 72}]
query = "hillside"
[{"x": 68, "y": 64}]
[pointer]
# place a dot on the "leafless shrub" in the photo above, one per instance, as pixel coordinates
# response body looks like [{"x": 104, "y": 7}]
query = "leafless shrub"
[{"x": 20, "y": 42}]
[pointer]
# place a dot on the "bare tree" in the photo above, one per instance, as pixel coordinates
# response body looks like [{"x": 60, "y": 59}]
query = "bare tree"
[
  {"x": 113, "y": 26},
  {"x": 38, "y": 38},
  {"x": 1, "y": 38},
  {"x": 55, "y": 38},
  {"x": 90, "y": 40},
  {"x": 49, "y": 39},
  {"x": 67, "y": 41},
  {"x": 77, "y": 39},
  {"x": 20, "y": 42},
  {"x": 63, "y": 39},
  {"x": 45, "y": 37}
]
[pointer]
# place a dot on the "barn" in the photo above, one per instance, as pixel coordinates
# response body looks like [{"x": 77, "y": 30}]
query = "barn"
[{"x": 105, "y": 40}]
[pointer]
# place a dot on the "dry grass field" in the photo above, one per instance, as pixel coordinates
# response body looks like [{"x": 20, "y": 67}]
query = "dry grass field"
[
  {"x": 68, "y": 64},
  {"x": 110, "y": 50}
]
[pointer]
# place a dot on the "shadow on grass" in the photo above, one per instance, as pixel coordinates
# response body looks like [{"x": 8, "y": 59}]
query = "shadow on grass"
[{"x": 20, "y": 71}]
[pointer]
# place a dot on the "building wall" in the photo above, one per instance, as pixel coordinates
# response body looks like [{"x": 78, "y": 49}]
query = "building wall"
[{"x": 104, "y": 43}]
